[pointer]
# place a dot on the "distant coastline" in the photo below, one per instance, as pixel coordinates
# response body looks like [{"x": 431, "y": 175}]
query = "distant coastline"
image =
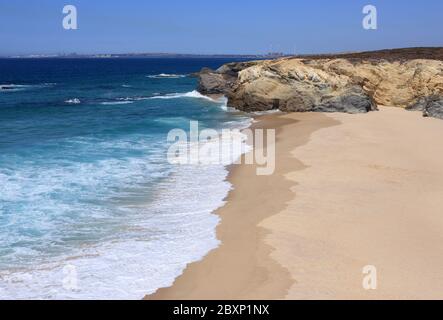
[
  {"x": 271, "y": 55},
  {"x": 389, "y": 54}
]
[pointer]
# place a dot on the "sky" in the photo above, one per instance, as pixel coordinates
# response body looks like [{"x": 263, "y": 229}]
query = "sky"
[{"x": 216, "y": 27}]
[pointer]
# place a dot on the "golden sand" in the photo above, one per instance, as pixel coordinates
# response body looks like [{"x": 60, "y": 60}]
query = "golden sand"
[{"x": 348, "y": 191}]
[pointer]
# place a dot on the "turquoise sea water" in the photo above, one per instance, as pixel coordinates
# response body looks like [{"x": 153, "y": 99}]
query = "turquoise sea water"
[{"x": 89, "y": 205}]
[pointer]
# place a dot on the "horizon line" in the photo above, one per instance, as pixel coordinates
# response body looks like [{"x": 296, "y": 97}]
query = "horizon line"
[{"x": 269, "y": 54}]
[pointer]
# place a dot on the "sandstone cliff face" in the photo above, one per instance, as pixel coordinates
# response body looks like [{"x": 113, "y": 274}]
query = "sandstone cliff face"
[{"x": 329, "y": 85}]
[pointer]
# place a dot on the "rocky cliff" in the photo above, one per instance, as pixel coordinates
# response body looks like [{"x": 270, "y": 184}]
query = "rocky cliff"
[{"x": 353, "y": 83}]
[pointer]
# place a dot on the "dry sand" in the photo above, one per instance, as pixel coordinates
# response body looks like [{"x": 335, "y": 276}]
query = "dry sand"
[{"x": 348, "y": 191}]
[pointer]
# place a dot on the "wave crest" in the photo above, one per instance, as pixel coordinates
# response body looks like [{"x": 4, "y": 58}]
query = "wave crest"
[
  {"x": 111, "y": 103},
  {"x": 192, "y": 94},
  {"x": 73, "y": 101},
  {"x": 21, "y": 87},
  {"x": 167, "y": 76}
]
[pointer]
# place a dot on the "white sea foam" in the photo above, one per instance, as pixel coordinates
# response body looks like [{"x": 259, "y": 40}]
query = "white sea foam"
[
  {"x": 166, "y": 76},
  {"x": 22, "y": 87},
  {"x": 73, "y": 101},
  {"x": 176, "y": 228},
  {"x": 111, "y": 103},
  {"x": 124, "y": 100},
  {"x": 260, "y": 113},
  {"x": 224, "y": 103},
  {"x": 133, "y": 98},
  {"x": 13, "y": 87},
  {"x": 192, "y": 94}
]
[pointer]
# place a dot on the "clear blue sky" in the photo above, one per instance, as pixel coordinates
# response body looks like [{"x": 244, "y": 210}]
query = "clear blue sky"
[{"x": 210, "y": 26}]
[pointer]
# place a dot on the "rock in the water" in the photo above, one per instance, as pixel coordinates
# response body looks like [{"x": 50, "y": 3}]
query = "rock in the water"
[{"x": 211, "y": 82}]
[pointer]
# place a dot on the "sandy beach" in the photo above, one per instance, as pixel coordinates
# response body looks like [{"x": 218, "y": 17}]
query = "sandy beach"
[{"x": 348, "y": 191}]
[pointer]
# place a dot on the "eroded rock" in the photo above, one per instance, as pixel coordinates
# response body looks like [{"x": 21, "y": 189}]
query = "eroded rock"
[
  {"x": 431, "y": 106},
  {"x": 328, "y": 85}
]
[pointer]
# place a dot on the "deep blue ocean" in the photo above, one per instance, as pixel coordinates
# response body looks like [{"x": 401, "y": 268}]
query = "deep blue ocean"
[{"x": 89, "y": 205}]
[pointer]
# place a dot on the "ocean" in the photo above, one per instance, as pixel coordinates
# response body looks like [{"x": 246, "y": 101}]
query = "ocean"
[{"x": 90, "y": 208}]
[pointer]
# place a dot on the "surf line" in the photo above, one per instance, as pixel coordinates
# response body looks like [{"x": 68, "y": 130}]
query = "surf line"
[{"x": 210, "y": 148}]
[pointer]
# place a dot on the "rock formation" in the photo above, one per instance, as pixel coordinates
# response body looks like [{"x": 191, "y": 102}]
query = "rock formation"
[
  {"x": 432, "y": 106},
  {"x": 344, "y": 83}
]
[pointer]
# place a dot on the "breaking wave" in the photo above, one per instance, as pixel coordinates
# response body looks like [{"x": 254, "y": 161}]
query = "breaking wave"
[
  {"x": 73, "y": 101},
  {"x": 22, "y": 87},
  {"x": 166, "y": 76},
  {"x": 192, "y": 94}
]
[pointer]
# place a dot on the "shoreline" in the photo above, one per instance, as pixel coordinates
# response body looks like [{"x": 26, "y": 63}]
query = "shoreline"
[
  {"x": 349, "y": 191},
  {"x": 241, "y": 267}
]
